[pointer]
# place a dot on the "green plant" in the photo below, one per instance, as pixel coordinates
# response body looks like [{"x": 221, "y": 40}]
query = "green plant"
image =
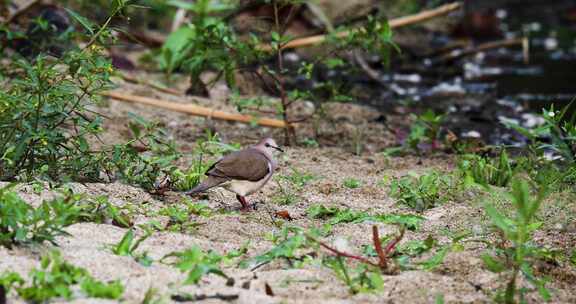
[
  {"x": 367, "y": 275},
  {"x": 127, "y": 161},
  {"x": 100, "y": 210},
  {"x": 56, "y": 278},
  {"x": 128, "y": 246},
  {"x": 515, "y": 252},
  {"x": 298, "y": 179},
  {"x": 48, "y": 127},
  {"x": 207, "y": 42},
  {"x": 20, "y": 223},
  {"x": 425, "y": 130},
  {"x": 289, "y": 185},
  {"x": 362, "y": 278},
  {"x": 96, "y": 289},
  {"x": 420, "y": 192},
  {"x": 197, "y": 263},
  {"x": 336, "y": 216},
  {"x": 558, "y": 129},
  {"x": 352, "y": 183},
  {"x": 180, "y": 215},
  {"x": 45, "y": 128},
  {"x": 45, "y": 124},
  {"x": 288, "y": 244},
  {"x": 487, "y": 171},
  {"x": 285, "y": 195}
]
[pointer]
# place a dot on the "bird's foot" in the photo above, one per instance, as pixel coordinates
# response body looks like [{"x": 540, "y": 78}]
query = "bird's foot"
[{"x": 246, "y": 207}]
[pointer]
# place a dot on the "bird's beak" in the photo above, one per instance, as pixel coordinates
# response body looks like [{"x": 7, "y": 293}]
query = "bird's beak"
[{"x": 277, "y": 148}]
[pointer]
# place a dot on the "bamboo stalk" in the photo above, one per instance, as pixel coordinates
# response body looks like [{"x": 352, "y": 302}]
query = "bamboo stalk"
[
  {"x": 455, "y": 54},
  {"x": 394, "y": 23},
  {"x": 196, "y": 110}
]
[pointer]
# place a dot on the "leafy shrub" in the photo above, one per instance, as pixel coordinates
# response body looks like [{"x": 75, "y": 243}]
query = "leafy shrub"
[
  {"x": 207, "y": 42},
  {"x": 20, "y": 223},
  {"x": 146, "y": 164},
  {"x": 45, "y": 124}
]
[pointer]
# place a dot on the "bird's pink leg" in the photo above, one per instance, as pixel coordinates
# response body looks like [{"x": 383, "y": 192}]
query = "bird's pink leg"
[{"x": 242, "y": 200}]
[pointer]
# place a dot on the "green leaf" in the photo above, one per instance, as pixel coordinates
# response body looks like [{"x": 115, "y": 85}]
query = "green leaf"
[
  {"x": 123, "y": 247},
  {"x": 97, "y": 289},
  {"x": 492, "y": 264},
  {"x": 176, "y": 47},
  {"x": 86, "y": 24},
  {"x": 436, "y": 259},
  {"x": 498, "y": 219}
]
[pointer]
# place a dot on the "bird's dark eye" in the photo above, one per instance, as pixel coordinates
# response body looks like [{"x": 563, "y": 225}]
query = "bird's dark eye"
[{"x": 267, "y": 144}]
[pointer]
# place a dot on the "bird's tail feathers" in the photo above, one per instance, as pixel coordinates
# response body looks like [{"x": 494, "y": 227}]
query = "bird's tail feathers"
[{"x": 210, "y": 182}]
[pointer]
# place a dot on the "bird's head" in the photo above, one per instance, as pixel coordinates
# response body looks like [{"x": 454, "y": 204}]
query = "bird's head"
[{"x": 269, "y": 145}]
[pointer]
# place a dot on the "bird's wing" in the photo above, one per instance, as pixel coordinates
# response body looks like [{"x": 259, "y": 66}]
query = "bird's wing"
[{"x": 248, "y": 164}]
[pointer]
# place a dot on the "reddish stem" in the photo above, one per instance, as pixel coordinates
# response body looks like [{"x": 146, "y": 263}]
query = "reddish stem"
[
  {"x": 378, "y": 247},
  {"x": 390, "y": 247},
  {"x": 344, "y": 254}
]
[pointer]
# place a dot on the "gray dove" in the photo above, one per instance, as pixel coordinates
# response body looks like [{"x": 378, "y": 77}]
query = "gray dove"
[{"x": 242, "y": 172}]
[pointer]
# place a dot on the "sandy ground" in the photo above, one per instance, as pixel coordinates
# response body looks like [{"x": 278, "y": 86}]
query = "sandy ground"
[{"x": 460, "y": 279}]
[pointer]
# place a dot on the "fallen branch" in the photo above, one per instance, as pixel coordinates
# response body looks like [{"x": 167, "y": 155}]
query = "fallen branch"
[
  {"x": 196, "y": 110},
  {"x": 394, "y": 23},
  {"x": 456, "y": 54}
]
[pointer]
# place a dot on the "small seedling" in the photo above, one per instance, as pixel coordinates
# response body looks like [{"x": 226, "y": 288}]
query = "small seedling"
[
  {"x": 101, "y": 210},
  {"x": 359, "y": 279},
  {"x": 197, "y": 263},
  {"x": 288, "y": 244},
  {"x": 336, "y": 216},
  {"x": 180, "y": 215},
  {"x": 128, "y": 246},
  {"x": 290, "y": 185},
  {"x": 486, "y": 171},
  {"x": 425, "y": 131},
  {"x": 352, "y": 183},
  {"x": 515, "y": 251},
  {"x": 419, "y": 193}
]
